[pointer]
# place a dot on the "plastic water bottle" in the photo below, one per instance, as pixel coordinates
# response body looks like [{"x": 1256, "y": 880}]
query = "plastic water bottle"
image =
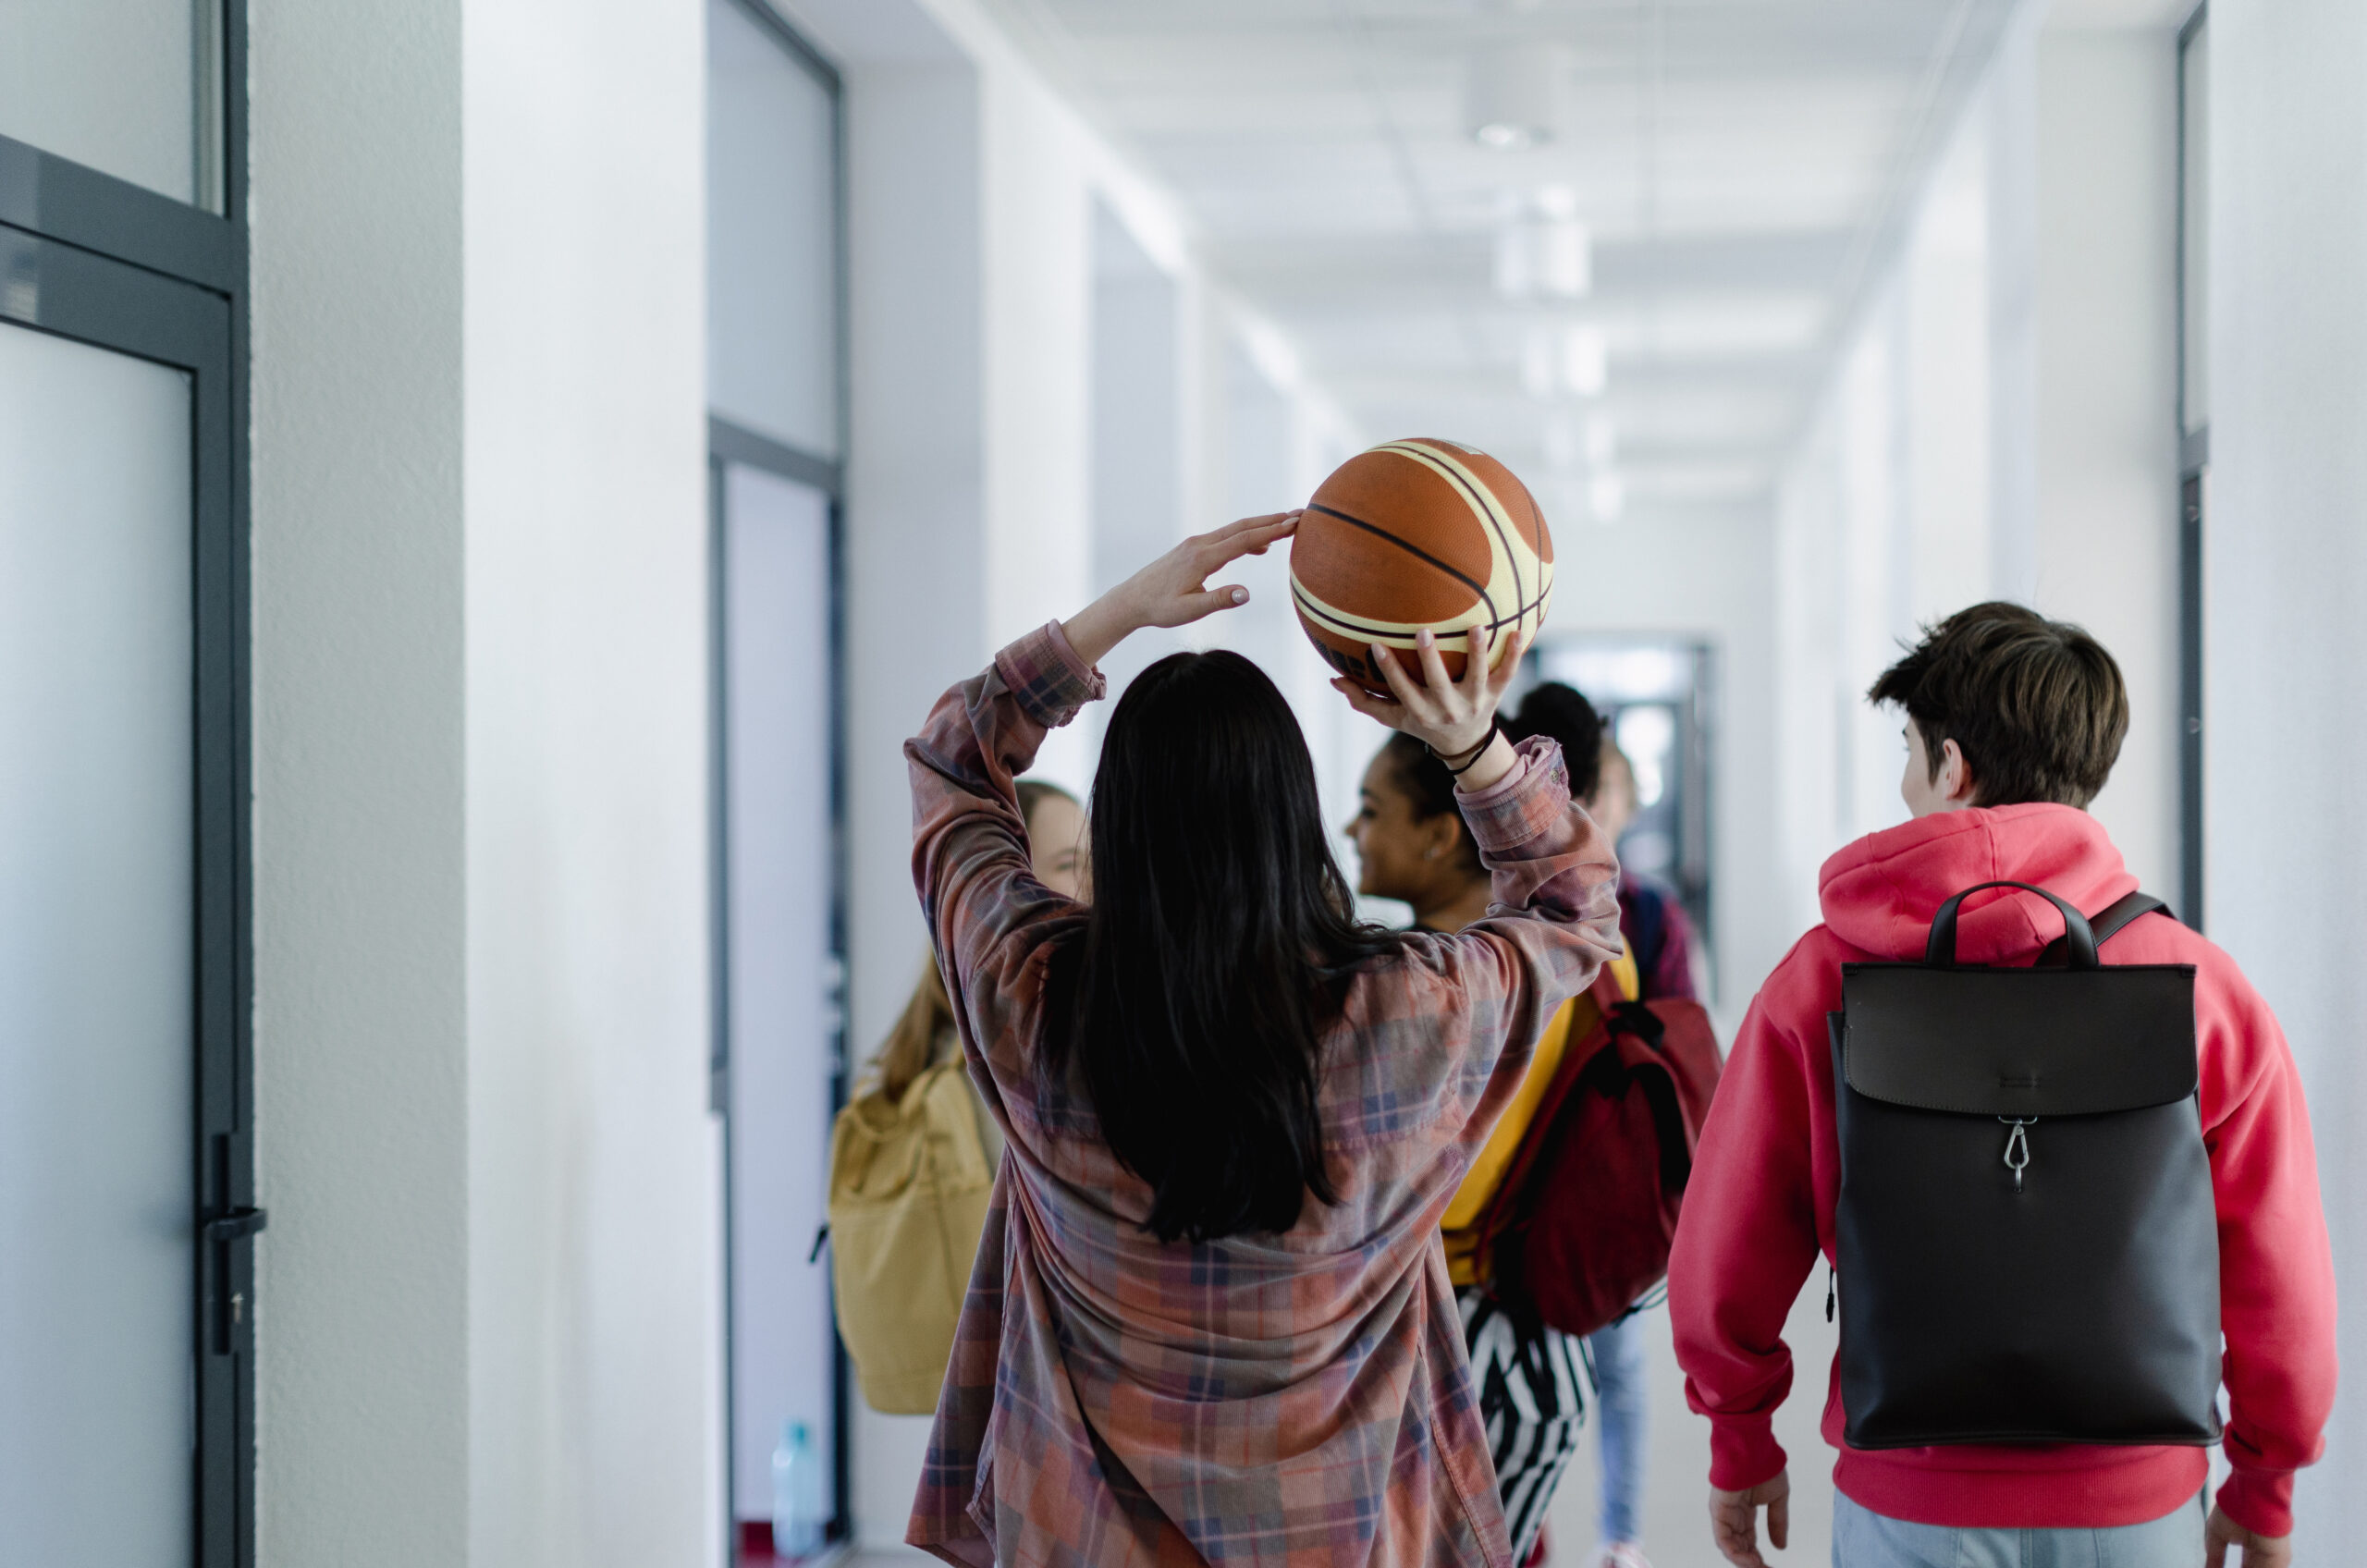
[{"x": 799, "y": 1513}]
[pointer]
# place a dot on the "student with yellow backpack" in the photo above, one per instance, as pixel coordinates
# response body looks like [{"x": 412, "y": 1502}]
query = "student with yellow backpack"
[{"x": 913, "y": 1161}]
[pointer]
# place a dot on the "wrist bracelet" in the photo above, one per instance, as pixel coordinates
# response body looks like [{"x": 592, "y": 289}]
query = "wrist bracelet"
[{"x": 1495, "y": 728}]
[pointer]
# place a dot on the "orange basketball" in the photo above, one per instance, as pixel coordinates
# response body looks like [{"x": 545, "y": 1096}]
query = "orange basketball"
[{"x": 1413, "y": 534}]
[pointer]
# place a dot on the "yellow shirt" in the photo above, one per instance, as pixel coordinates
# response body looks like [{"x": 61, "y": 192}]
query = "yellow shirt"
[{"x": 1574, "y": 1021}]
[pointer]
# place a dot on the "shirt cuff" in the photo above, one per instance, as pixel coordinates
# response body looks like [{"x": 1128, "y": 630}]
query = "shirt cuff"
[
  {"x": 1524, "y": 802},
  {"x": 1045, "y": 675},
  {"x": 2261, "y": 1500},
  {"x": 1743, "y": 1452}
]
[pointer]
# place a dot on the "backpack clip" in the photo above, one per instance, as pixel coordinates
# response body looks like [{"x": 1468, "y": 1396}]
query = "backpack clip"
[{"x": 2017, "y": 1146}]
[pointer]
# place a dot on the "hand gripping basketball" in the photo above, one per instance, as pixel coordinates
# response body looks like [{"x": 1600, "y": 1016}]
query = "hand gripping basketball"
[
  {"x": 1451, "y": 718},
  {"x": 1171, "y": 591}
]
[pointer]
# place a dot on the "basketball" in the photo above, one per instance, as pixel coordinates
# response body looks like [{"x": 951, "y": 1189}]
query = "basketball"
[{"x": 1413, "y": 534}]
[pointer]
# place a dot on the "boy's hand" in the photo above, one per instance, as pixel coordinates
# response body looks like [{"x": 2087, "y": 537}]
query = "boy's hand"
[
  {"x": 1733, "y": 1520},
  {"x": 2253, "y": 1552}
]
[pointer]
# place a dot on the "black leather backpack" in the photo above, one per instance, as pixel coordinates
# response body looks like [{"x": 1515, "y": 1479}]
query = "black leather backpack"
[{"x": 2028, "y": 1242}]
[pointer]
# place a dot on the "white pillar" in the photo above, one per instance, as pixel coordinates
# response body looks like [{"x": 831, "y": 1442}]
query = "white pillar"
[
  {"x": 360, "y": 927},
  {"x": 2107, "y": 415},
  {"x": 487, "y": 1304},
  {"x": 595, "y": 1266},
  {"x": 916, "y": 559}
]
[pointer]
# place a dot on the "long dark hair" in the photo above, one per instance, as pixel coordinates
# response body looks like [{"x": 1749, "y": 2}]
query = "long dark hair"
[{"x": 1217, "y": 947}]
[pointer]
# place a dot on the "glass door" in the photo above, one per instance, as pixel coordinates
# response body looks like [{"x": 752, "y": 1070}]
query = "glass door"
[
  {"x": 96, "y": 941},
  {"x": 781, "y": 981},
  {"x": 124, "y": 1320}
]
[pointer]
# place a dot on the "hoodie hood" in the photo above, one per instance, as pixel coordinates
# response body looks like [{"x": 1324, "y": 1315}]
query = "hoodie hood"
[{"x": 1878, "y": 894}]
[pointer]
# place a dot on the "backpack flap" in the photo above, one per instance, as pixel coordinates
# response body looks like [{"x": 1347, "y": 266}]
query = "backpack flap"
[
  {"x": 2020, "y": 1042},
  {"x": 2026, "y": 1233}
]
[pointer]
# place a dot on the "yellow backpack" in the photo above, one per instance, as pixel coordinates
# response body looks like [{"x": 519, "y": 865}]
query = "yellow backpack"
[{"x": 909, "y": 1188}]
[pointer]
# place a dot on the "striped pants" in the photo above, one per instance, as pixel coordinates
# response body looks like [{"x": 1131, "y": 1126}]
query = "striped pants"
[{"x": 1533, "y": 1406}]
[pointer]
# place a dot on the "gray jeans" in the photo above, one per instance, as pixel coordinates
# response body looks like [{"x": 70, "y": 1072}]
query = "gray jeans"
[{"x": 1862, "y": 1538}]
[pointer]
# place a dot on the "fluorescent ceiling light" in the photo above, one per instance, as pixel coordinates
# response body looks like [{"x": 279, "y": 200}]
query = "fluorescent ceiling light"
[
  {"x": 1561, "y": 441},
  {"x": 1606, "y": 497},
  {"x": 1601, "y": 442},
  {"x": 1586, "y": 360},
  {"x": 1542, "y": 251},
  {"x": 1508, "y": 99},
  {"x": 1571, "y": 360}
]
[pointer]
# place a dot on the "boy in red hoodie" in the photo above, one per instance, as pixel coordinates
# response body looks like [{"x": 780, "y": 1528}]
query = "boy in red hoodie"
[{"x": 2014, "y": 723}]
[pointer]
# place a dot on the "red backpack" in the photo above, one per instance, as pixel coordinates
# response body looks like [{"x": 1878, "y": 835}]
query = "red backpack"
[{"x": 1580, "y": 1226}]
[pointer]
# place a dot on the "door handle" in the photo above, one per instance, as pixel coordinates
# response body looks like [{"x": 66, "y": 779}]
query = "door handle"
[{"x": 235, "y": 1226}]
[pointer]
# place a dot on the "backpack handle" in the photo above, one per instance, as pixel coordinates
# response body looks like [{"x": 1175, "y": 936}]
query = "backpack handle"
[{"x": 1940, "y": 953}]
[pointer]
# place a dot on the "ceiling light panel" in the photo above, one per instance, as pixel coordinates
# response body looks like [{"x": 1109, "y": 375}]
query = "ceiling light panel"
[{"x": 1726, "y": 164}]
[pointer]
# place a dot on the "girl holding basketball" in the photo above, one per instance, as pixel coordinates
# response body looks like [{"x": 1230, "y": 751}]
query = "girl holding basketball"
[{"x": 1211, "y": 1320}]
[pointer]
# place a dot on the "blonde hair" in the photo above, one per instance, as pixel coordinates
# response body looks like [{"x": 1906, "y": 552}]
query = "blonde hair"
[{"x": 910, "y": 1045}]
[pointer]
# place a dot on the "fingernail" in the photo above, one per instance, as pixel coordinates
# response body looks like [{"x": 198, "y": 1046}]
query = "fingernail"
[
  {"x": 1380, "y": 653},
  {"x": 1241, "y": 596}
]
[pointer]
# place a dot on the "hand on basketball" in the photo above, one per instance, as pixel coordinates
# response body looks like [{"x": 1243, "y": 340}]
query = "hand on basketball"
[
  {"x": 1733, "y": 1520},
  {"x": 1451, "y": 718},
  {"x": 2253, "y": 1552},
  {"x": 1171, "y": 591}
]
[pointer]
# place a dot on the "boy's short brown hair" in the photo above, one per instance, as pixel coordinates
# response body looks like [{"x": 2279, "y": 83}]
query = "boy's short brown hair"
[{"x": 2037, "y": 707}]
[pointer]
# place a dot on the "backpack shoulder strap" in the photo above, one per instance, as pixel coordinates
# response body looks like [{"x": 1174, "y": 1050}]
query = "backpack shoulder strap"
[
  {"x": 2123, "y": 911},
  {"x": 2106, "y": 921}
]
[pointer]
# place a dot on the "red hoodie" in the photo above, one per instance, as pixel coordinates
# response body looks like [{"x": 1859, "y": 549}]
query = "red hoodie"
[{"x": 1760, "y": 1206}]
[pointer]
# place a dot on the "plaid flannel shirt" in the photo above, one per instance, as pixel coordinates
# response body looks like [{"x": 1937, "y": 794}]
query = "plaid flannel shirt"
[{"x": 1293, "y": 1400}]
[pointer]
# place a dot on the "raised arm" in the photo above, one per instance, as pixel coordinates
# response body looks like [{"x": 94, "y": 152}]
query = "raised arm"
[{"x": 1553, "y": 917}]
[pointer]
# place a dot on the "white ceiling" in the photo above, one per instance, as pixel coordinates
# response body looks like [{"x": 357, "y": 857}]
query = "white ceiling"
[{"x": 1742, "y": 165}]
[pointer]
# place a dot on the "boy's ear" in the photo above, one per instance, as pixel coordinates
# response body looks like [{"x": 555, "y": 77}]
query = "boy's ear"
[{"x": 1956, "y": 783}]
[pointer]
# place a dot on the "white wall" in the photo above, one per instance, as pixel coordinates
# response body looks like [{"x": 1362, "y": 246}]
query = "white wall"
[
  {"x": 2001, "y": 424},
  {"x": 593, "y": 1162},
  {"x": 361, "y": 912},
  {"x": 488, "y": 1298},
  {"x": 2106, "y": 425},
  {"x": 1037, "y": 275},
  {"x": 2286, "y": 574},
  {"x": 916, "y": 548},
  {"x": 1135, "y": 419}
]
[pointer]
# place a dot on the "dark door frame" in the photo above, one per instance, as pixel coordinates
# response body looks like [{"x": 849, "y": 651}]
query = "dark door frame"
[
  {"x": 86, "y": 257},
  {"x": 730, "y": 445},
  {"x": 2194, "y": 463}
]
